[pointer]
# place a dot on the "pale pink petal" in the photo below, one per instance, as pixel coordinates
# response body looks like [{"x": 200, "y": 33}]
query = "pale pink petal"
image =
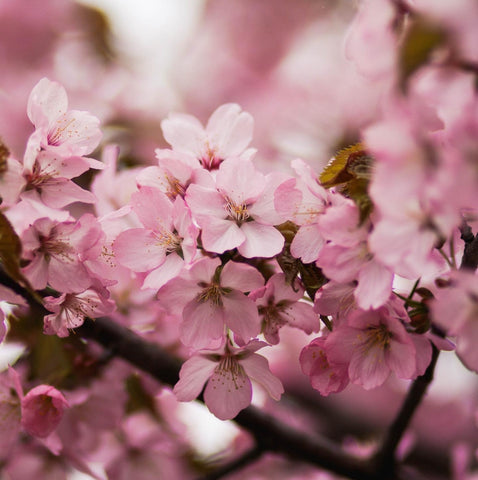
[
  {"x": 184, "y": 133},
  {"x": 260, "y": 240},
  {"x": 241, "y": 315},
  {"x": 204, "y": 269},
  {"x": 341, "y": 264},
  {"x": 59, "y": 192},
  {"x": 423, "y": 348},
  {"x": 307, "y": 243},
  {"x": 263, "y": 210},
  {"x": 239, "y": 181},
  {"x": 227, "y": 393},
  {"x": 46, "y": 102},
  {"x": 193, "y": 375},
  {"x": 176, "y": 293},
  {"x": 205, "y": 202},
  {"x": 401, "y": 358},
  {"x": 37, "y": 272},
  {"x": 374, "y": 285},
  {"x": 257, "y": 369},
  {"x": 74, "y": 133},
  {"x": 370, "y": 369},
  {"x": 171, "y": 267},
  {"x": 139, "y": 249},
  {"x": 221, "y": 235},
  {"x": 230, "y": 129},
  {"x": 153, "y": 208},
  {"x": 301, "y": 315},
  {"x": 203, "y": 325},
  {"x": 68, "y": 277},
  {"x": 241, "y": 276}
]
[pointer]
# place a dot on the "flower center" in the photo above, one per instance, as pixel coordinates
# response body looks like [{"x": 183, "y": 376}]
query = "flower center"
[{"x": 236, "y": 212}]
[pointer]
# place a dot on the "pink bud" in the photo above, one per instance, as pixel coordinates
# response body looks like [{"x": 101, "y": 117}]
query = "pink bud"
[{"x": 42, "y": 410}]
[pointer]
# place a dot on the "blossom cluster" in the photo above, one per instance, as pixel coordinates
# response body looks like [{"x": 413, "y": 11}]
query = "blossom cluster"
[{"x": 215, "y": 258}]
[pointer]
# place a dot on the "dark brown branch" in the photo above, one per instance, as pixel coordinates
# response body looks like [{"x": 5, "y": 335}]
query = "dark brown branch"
[
  {"x": 385, "y": 457},
  {"x": 470, "y": 254}
]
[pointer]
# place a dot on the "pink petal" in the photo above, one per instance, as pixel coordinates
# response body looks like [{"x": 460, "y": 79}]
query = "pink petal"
[
  {"x": 203, "y": 325},
  {"x": 193, "y": 375},
  {"x": 241, "y": 276},
  {"x": 260, "y": 240},
  {"x": 374, "y": 285},
  {"x": 230, "y": 129},
  {"x": 221, "y": 235},
  {"x": 227, "y": 393},
  {"x": 171, "y": 267},
  {"x": 153, "y": 208},
  {"x": 47, "y": 101},
  {"x": 257, "y": 369},
  {"x": 139, "y": 249},
  {"x": 238, "y": 180},
  {"x": 241, "y": 315},
  {"x": 307, "y": 243}
]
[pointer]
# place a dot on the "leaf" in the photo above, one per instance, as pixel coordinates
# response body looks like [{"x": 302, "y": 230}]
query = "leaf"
[
  {"x": 351, "y": 170},
  {"x": 348, "y": 164},
  {"x": 421, "y": 40}
]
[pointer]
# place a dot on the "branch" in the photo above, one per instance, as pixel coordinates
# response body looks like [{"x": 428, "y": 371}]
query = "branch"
[
  {"x": 385, "y": 457},
  {"x": 470, "y": 254}
]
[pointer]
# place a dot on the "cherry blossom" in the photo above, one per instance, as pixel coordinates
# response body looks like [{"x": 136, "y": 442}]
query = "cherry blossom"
[
  {"x": 227, "y": 134},
  {"x": 455, "y": 310},
  {"x": 54, "y": 250},
  {"x": 278, "y": 304},
  {"x": 164, "y": 245},
  {"x": 211, "y": 297},
  {"x": 70, "y": 310},
  {"x": 42, "y": 410},
  {"x": 231, "y": 212},
  {"x": 373, "y": 343},
  {"x": 228, "y": 376},
  {"x": 57, "y": 129}
]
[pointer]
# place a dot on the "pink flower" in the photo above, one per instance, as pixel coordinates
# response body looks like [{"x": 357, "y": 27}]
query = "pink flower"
[
  {"x": 227, "y": 134},
  {"x": 325, "y": 376},
  {"x": 211, "y": 297},
  {"x": 54, "y": 250},
  {"x": 70, "y": 310},
  {"x": 164, "y": 245},
  {"x": 303, "y": 201},
  {"x": 232, "y": 213},
  {"x": 373, "y": 343},
  {"x": 370, "y": 42},
  {"x": 279, "y": 305},
  {"x": 454, "y": 309},
  {"x": 228, "y": 376},
  {"x": 42, "y": 410},
  {"x": 59, "y": 130},
  {"x": 172, "y": 175}
]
